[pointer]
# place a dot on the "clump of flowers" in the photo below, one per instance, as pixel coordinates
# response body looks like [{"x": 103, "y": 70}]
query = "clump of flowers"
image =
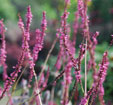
[
  {"x": 25, "y": 50},
  {"x": 97, "y": 86},
  {"x": 65, "y": 63}
]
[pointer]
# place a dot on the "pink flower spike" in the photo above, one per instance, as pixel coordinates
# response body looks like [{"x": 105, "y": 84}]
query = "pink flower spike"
[
  {"x": 43, "y": 27},
  {"x": 44, "y": 22},
  {"x": 97, "y": 86},
  {"x": 3, "y": 50},
  {"x": 29, "y": 18},
  {"x": 20, "y": 23},
  {"x": 38, "y": 47}
]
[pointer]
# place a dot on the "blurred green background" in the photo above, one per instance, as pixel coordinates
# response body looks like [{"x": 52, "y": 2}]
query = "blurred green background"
[{"x": 100, "y": 13}]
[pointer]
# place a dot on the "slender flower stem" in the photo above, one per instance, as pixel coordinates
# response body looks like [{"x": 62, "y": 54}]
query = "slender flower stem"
[{"x": 85, "y": 68}]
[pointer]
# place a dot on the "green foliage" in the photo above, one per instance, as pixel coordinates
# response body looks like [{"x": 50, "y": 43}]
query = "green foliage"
[
  {"x": 51, "y": 13},
  {"x": 1, "y": 69},
  {"x": 7, "y": 10},
  {"x": 103, "y": 8},
  {"x": 72, "y": 9}
]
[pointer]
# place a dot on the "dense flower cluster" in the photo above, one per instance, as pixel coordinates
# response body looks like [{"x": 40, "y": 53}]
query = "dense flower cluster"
[
  {"x": 25, "y": 49},
  {"x": 97, "y": 86},
  {"x": 39, "y": 43},
  {"x": 66, "y": 59},
  {"x": 102, "y": 74},
  {"x": 26, "y": 38},
  {"x": 43, "y": 27}
]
